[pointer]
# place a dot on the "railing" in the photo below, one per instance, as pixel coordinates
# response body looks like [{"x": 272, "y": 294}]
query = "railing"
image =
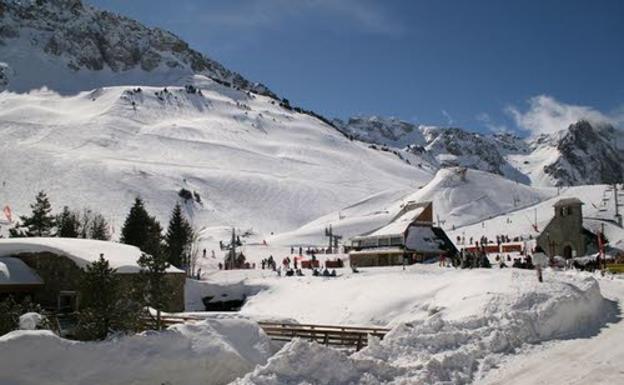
[
  {"x": 345, "y": 336},
  {"x": 341, "y": 336}
]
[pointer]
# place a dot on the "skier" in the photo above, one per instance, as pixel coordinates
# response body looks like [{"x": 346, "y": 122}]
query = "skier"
[{"x": 540, "y": 260}]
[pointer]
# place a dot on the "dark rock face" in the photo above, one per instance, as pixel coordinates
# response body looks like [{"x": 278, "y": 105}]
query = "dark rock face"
[
  {"x": 474, "y": 150},
  {"x": 588, "y": 156},
  {"x": 4, "y": 76},
  {"x": 91, "y": 39}
]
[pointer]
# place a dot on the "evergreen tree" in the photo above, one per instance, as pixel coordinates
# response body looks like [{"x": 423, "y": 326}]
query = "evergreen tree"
[
  {"x": 106, "y": 306},
  {"x": 142, "y": 230},
  {"x": 99, "y": 290},
  {"x": 68, "y": 224},
  {"x": 178, "y": 238},
  {"x": 9, "y": 315},
  {"x": 41, "y": 223},
  {"x": 153, "y": 280},
  {"x": 99, "y": 228}
]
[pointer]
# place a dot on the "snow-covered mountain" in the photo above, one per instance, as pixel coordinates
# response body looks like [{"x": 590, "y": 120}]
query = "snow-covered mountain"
[
  {"x": 69, "y": 47},
  {"x": 129, "y": 110},
  {"x": 583, "y": 153},
  {"x": 253, "y": 162}
]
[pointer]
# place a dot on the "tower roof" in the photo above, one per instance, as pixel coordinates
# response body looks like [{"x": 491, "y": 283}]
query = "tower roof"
[{"x": 568, "y": 202}]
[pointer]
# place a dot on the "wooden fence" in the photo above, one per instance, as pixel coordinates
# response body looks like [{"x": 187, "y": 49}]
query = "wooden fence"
[
  {"x": 352, "y": 337},
  {"x": 343, "y": 336}
]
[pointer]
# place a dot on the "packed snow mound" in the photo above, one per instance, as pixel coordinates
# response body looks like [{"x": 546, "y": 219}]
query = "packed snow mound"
[
  {"x": 462, "y": 196},
  {"x": 210, "y": 352},
  {"x": 464, "y": 326},
  {"x": 30, "y": 321},
  {"x": 83, "y": 252},
  {"x": 301, "y": 362}
]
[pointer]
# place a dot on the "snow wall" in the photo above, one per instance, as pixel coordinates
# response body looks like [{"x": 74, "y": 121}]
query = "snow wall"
[{"x": 210, "y": 352}]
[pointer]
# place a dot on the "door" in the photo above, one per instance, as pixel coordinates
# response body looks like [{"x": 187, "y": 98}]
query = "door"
[{"x": 567, "y": 252}]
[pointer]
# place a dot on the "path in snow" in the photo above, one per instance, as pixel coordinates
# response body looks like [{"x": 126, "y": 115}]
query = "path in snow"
[{"x": 597, "y": 360}]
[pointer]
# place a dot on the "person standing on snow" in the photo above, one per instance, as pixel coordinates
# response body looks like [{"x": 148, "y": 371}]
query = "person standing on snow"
[{"x": 540, "y": 260}]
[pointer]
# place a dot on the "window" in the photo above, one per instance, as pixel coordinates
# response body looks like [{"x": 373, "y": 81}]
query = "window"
[{"x": 67, "y": 301}]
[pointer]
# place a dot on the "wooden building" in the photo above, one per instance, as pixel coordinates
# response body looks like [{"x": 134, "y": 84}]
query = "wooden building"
[{"x": 409, "y": 237}]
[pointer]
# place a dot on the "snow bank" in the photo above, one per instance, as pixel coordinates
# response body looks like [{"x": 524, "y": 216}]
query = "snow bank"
[
  {"x": 210, "y": 352},
  {"x": 465, "y": 333}
]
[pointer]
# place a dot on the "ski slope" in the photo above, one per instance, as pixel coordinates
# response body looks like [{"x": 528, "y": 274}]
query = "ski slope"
[{"x": 253, "y": 163}]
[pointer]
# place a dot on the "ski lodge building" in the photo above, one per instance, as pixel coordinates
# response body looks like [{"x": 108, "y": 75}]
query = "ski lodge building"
[
  {"x": 409, "y": 236},
  {"x": 49, "y": 270}
]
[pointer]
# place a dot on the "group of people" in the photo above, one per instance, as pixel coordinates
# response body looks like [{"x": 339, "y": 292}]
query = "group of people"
[
  {"x": 268, "y": 263},
  {"x": 483, "y": 240},
  {"x": 470, "y": 260},
  {"x": 324, "y": 273}
]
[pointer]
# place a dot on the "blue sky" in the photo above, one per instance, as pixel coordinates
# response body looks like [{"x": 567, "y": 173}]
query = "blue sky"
[{"x": 528, "y": 65}]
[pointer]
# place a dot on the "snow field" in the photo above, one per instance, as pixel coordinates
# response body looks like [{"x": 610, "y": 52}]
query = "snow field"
[
  {"x": 209, "y": 352},
  {"x": 254, "y": 164},
  {"x": 458, "y": 329}
]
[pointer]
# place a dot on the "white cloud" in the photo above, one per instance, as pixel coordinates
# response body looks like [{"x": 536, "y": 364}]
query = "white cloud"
[
  {"x": 490, "y": 124},
  {"x": 449, "y": 118},
  {"x": 547, "y": 115}
]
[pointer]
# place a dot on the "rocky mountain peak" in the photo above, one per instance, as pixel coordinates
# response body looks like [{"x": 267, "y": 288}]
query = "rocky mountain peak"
[
  {"x": 79, "y": 37},
  {"x": 588, "y": 155}
]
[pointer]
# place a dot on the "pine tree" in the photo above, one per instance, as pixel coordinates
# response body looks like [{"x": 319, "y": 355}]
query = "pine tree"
[
  {"x": 68, "y": 224},
  {"x": 40, "y": 224},
  {"x": 106, "y": 306},
  {"x": 99, "y": 228},
  {"x": 154, "y": 282},
  {"x": 99, "y": 290},
  {"x": 178, "y": 238},
  {"x": 142, "y": 230},
  {"x": 9, "y": 315}
]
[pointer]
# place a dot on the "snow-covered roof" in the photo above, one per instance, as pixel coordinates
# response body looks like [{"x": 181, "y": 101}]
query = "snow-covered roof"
[
  {"x": 121, "y": 257},
  {"x": 399, "y": 225},
  {"x": 378, "y": 250},
  {"x": 13, "y": 271},
  {"x": 423, "y": 239}
]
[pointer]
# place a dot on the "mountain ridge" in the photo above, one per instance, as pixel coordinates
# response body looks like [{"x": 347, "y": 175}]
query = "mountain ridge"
[
  {"x": 67, "y": 37},
  {"x": 583, "y": 153}
]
